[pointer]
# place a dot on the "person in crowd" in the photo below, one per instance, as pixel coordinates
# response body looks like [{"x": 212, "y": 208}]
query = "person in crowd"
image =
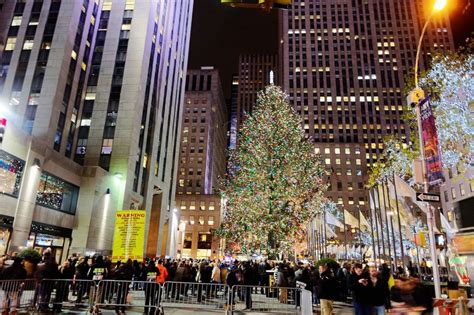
[
  {"x": 358, "y": 284},
  {"x": 11, "y": 289},
  {"x": 65, "y": 276},
  {"x": 378, "y": 291},
  {"x": 150, "y": 273},
  {"x": 250, "y": 273},
  {"x": 327, "y": 289},
  {"x": 81, "y": 277},
  {"x": 47, "y": 271},
  {"x": 410, "y": 294}
]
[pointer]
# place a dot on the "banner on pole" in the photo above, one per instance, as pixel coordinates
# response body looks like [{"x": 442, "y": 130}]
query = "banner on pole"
[
  {"x": 431, "y": 148},
  {"x": 129, "y": 235}
]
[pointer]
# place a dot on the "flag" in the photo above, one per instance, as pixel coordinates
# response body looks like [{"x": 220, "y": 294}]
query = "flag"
[
  {"x": 350, "y": 219},
  {"x": 363, "y": 221},
  {"x": 330, "y": 232},
  {"x": 331, "y": 219}
]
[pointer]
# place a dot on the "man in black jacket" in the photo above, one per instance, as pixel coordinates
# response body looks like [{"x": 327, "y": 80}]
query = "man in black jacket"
[
  {"x": 327, "y": 290},
  {"x": 358, "y": 284},
  {"x": 379, "y": 293}
]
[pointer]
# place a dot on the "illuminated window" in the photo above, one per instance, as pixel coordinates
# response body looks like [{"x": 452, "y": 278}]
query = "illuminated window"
[
  {"x": 183, "y": 205},
  {"x": 16, "y": 21},
  {"x": 11, "y": 172},
  {"x": 211, "y": 205},
  {"x": 349, "y": 172},
  {"x": 28, "y": 45},
  {"x": 327, "y": 151},
  {"x": 340, "y": 201},
  {"x": 338, "y": 161},
  {"x": 453, "y": 193},
  {"x": 337, "y": 151},
  {"x": 461, "y": 189},
  {"x": 317, "y": 150},
  {"x": 181, "y": 183},
  {"x": 191, "y": 219},
  {"x": 210, "y": 220},
  {"x": 327, "y": 161},
  {"x": 202, "y": 206},
  {"x": 192, "y": 206},
  {"x": 107, "y": 146},
  {"x": 201, "y": 220},
  {"x": 10, "y": 45}
]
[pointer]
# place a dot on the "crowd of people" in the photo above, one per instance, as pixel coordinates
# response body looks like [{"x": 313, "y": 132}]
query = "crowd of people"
[{"x": 371, "y": 289}]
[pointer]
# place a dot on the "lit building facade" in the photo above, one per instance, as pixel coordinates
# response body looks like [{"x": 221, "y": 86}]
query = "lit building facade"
[
  {"x": 93, "y": 93},
  {"x": 202, "y": 162},
  {"x": 254, "y": 75},
  {"x": 343, "y": 65}
]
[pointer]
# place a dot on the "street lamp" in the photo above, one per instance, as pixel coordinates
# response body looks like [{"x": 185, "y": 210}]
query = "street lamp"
[
  {"x": 414, "y": 98},
  {"x": 438, "y": 6}
]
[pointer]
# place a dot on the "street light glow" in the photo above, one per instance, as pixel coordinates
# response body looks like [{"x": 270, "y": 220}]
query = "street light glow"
[{"x": 439, "y": 5}]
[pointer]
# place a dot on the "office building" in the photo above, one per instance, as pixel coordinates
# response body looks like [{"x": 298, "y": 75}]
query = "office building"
[
  {"x": 93, "y": 93},
  {"x": 344, "y": 65},
  {"x": 202, "y": 163},
  {"x": 254, "y": 75}
]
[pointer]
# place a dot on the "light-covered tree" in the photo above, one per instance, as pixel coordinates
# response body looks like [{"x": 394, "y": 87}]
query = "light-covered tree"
[{"x": 275, "y": 183}]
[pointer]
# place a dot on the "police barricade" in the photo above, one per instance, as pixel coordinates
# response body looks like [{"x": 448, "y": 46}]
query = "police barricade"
[
  {"x": 69, "y": 294},
  {"x": 122, "y": 295},
  {"x": 209, "y": 296},
  {"x": 280, "y": 300},
  {"x": 17, "y": 295}
]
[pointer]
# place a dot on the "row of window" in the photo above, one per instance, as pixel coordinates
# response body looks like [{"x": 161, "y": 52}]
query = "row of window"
[
  {"x": 52, "y": 192},
  {"x": 200, "y": 220},
  {"x": 201, "y": 206}
]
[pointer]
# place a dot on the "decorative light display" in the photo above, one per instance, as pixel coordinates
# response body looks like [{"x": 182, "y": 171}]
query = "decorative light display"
[
  {"x": 450, "y": 84},
  {"x": 274, "y": 187}
]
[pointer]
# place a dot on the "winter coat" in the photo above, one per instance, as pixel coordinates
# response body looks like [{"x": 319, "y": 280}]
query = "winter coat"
[
  {"x": 327, "y": 288},
  {"x": 379, "y": 293},
  {"x": 360, "y": 292}
]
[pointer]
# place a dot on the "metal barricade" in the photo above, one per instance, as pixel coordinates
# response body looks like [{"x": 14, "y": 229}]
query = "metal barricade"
[
  {"x": 16, "y": 295},
  {"x": 209, "y": 296},
  {"x": 121, "y": 295},
  {"x": 279, "y": 300},
  {"x": 60, "y": 294}
]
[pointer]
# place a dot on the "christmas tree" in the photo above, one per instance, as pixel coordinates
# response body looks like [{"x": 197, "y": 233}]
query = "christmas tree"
[{"x": 275, "y": 183}]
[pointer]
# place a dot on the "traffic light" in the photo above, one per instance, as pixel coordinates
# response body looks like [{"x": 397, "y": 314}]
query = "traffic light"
[
  {"x": 266, "y": 5},
  {"x": 3, "y": 125}
]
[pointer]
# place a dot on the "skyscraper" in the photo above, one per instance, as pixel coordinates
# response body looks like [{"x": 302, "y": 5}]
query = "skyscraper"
[
  {"x": 202, "y": 161},
  {"x": 94, "y": 93},
  {"x": 254, "y": 75},
  {"x": 344, "y": 64}
]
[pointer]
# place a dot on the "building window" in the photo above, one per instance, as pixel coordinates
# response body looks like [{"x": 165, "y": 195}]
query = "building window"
[
  {"x": 10, "y": 45},
  {"x": 211, "y": 206},
  {"x": 202, "y": 206},
  {"x": 57, "y": 194},
  {"x": 462, "y": 190},
  {"x": 11, "y": 171},
  {"x": 192, "y": 206},
  {"x": 204, "y": 241},
  {"x": 201, "y": 220},
  {"x": 183, "y": 205},
  {"x": 210, "y": 220},
  {"x": 446, "y": 198},
  {"x": 191, "y": 219},
  {"x": 453, "y": 192},
  {"x": 188, "y": 240}
]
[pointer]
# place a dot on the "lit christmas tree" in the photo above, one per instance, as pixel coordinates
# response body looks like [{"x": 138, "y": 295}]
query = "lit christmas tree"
[{"x": 275, "y": 183}]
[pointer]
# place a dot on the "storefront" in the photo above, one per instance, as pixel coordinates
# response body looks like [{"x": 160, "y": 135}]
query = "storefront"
[
  {"x": 6, "y": 224},
  {"x": 44, "y": 236}
]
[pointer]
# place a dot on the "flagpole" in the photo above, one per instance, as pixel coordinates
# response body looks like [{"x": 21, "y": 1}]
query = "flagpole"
[
  {"x": 402, "y": 247},
  {"x": 381, "y": 222},
  {"x": 360, "y": 234},
  {"x": 386, "y": 225},
  {"x": 345, "y": 234},
  {"x": 372, "y": 222},
  {"x": 391, "y": 226}
]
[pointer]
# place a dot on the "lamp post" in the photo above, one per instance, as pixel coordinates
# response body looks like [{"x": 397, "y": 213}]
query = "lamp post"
[{"x": 415, "y": 96}]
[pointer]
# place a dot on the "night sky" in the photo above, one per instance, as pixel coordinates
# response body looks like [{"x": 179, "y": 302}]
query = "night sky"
[{"x": 220, "y": 33}]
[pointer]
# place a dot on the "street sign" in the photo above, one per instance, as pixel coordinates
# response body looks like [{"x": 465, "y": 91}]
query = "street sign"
[{"x": 428, "y": 197}]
